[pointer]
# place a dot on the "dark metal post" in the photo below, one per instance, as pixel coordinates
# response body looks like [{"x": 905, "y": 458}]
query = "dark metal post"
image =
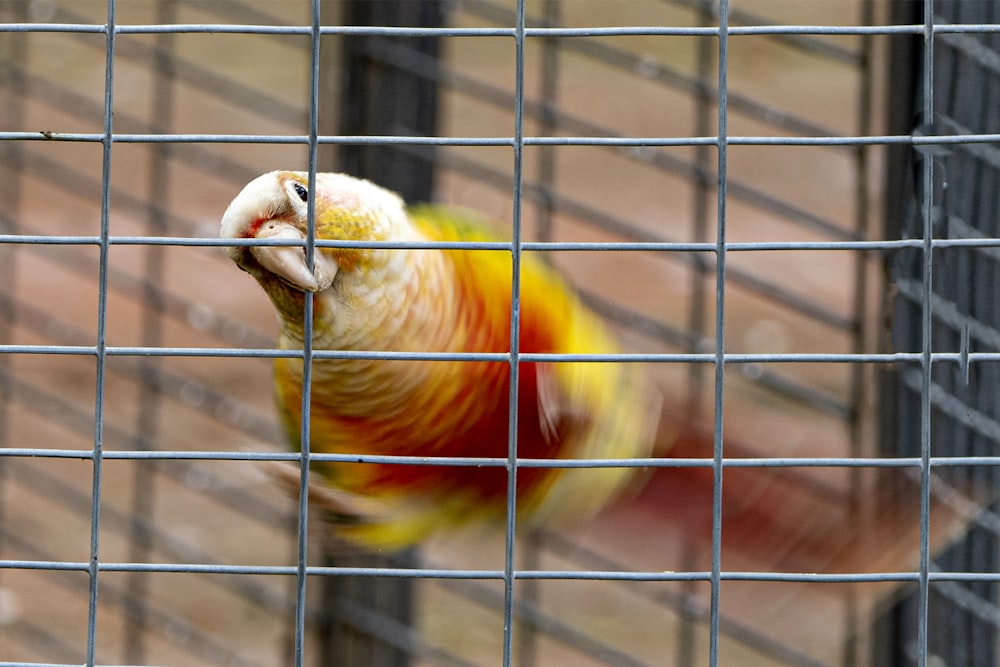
[
  {"x": 371, "y": 92},
  {"x": 962, "y": 628},
  {"x": 379, "y": 95}
]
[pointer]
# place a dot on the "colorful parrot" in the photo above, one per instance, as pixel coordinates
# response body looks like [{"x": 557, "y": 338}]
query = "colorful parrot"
[{"x": 434, "y": 300}]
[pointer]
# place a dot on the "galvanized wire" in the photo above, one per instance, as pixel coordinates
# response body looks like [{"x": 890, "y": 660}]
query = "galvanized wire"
[
  {"x": 926, "y": 328},
  {"x": 95, "y": 499},
  {"x": 718, "y": 445}
]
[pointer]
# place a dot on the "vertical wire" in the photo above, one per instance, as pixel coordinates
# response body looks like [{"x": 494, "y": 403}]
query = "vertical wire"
[
  {"x": 720, "y": 340},
  {"x": 515, "y": 320},
  {"x": 101, "y": 348},
  {"x": 925, "y": 351},
  {"x": 307, "y": 345}
]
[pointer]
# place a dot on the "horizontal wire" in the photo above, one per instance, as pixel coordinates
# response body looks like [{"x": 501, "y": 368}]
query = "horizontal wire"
[
  {"x": 731, "y": 140},
  {"x": 443, "y": 573},
  {"x": 493, "y": 462},
  {"x": 602, "y": 31},
  {"x": 544, "y": 246},
  {"x": 46, "y": 135},
  {"x": 962, "y": 358}
]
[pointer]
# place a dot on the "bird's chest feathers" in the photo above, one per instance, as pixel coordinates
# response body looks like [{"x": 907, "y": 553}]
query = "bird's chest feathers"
[
  {"x": 404, "y": 309},
  {"x": 397, "y": 306}
]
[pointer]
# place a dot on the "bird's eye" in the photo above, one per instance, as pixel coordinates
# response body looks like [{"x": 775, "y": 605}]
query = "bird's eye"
[{"x": 301, "y": 192}]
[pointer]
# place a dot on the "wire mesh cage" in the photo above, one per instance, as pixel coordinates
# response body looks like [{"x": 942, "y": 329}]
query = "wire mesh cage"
[
  {"x": 951, "y": 190},
  {"x": 707, "y": 175}
]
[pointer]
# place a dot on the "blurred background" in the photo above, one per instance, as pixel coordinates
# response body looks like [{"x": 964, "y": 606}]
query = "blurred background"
[{"x": 160, "y": 290}]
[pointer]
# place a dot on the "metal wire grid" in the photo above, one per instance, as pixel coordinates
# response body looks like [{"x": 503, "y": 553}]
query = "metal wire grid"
[
  {"x": 962, "y": 67},
  {"x": 521, "y": 33}
]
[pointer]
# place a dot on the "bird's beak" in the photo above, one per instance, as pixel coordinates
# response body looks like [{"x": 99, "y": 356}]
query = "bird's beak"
[{"x": 289, "y": 262}]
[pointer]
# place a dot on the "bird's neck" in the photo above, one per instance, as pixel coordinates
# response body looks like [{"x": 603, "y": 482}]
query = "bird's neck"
[
  {"x": 412, "y": 310},
  {"x": 401, "y": 303}
]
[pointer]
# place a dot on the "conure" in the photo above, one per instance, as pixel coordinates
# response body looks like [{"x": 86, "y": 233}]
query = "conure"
[{"x": 434, "y": 300}]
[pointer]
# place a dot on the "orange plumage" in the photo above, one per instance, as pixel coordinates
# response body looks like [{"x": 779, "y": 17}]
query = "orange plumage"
[{"x": 432, "y": 300}]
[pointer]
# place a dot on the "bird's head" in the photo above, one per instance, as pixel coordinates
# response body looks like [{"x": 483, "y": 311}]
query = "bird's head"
[{"x": 274, "y": 207}]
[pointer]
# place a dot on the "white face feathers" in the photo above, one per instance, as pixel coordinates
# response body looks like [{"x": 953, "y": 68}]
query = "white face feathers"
[{"x": 273, "y": 207}]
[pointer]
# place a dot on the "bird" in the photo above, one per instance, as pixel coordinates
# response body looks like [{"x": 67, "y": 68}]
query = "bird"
[{"x": 412, "y": 299}]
